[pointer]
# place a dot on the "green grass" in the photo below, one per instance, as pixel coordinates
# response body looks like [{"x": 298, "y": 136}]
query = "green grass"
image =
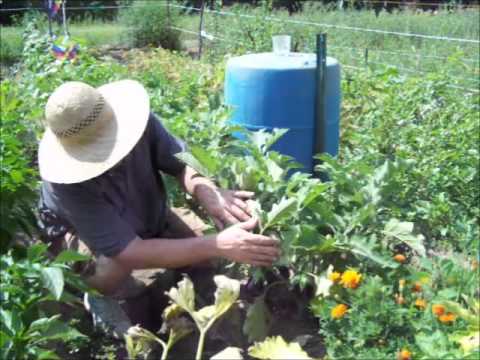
[{"x": 93, "y": 33}]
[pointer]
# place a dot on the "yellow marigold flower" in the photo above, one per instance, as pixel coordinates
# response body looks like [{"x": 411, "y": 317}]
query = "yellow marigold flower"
[
  {"x": 447, "y": 318},
  {"x": 335, "y": 276},
  {"x": 438, "y": 309},
  {"x": 400, "y": 258},
  {"x": 350, "y": 279},
  {"x": 339, "y": 311},
  {"x": 404, "y": 355},
  {"x": 401, "y": 283},
  {"x": 417, "y": 287},
  {"x": 421, "y": 304}
]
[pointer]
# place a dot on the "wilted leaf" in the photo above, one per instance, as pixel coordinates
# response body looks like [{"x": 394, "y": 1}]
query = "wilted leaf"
[
  {"x": 403, "y": 231},
  {"x": 230, "y": 353},
  {"x": 52, "y": 278},
  {"x": 257, "y": 322},
  {"x": 179, "y": 328},
  {"x": 184, "y": 295},
  {"x": 276, "y": 348},
  {"x": 226, "y": 294}
]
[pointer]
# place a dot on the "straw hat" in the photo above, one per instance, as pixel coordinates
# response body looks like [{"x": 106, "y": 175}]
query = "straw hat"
[{"x": 90, "y": 130}]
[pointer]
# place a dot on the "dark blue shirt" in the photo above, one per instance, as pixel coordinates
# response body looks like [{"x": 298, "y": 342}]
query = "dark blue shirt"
[{"x": 129, "y": 200}]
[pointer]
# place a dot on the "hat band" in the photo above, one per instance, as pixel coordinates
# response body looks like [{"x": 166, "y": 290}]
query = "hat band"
[{"x": 91, "y": 118}]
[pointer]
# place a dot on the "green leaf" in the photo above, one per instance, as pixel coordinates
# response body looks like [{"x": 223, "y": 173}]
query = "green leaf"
[
  {"x": 280, "y": 211},
  {"x": 363, "y": 247},
  {"x": 70, "y": 255},
  {"x": 11, "y": 321},
  {"x": 403, "y": 231},
  {"x": 191, "y": 161},
  {"x": 230, "y": 353},
  {"x": 52, "y": 278},
  {"x": 257, "y": 321},
  {"x": 36, "y": 250},
  {"x": 276, "y": 348},
  {"x": 205, "y": 158}
]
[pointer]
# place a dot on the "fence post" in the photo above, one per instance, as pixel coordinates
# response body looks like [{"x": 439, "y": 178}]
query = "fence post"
[
  {"x": 200, "y": 31},
  {"x": 168, "y": 14},
  {"x": 319, "y": 144},
  {"x": 64, "y": 18},
  {"x": 366, "y": 57}
]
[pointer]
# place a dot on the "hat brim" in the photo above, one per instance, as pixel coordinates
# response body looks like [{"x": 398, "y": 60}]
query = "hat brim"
[{"x": 68, "y": 162}]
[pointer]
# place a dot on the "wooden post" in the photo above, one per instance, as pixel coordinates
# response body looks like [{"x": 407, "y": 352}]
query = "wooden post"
[{"x": 64, "y": 18}]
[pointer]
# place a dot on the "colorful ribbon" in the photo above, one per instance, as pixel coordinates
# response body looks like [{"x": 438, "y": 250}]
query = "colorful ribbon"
[{"x": 62, "y": 53}]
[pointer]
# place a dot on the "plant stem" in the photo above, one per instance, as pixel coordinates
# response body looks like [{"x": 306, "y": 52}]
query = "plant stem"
[{"x": 201, "y": 341}]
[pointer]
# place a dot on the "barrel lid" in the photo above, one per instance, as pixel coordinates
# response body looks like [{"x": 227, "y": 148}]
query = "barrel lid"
[{"x": 274, "y": 61}]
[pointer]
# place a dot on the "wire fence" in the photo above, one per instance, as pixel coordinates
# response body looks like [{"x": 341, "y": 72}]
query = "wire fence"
[{"x": 369, "y": 55}]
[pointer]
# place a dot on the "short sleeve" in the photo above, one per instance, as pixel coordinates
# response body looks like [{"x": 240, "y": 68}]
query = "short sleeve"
[
  {"x": 96, "y": 221},
  {"x": 164, "y": 147}
]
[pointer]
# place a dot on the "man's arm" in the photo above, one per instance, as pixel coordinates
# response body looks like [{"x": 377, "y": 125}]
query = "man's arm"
[
  {"x": 235, "y": 243},
  {"x": 224, "y": 206}
]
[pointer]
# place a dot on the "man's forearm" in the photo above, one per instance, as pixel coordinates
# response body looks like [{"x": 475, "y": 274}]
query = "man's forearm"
[
  {"x": 167, "y": 253},
  {"x": 189, "y": 179}
]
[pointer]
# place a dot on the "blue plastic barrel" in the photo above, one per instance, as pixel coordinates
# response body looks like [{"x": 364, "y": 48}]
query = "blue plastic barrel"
[{"x": 270, "y": 91}]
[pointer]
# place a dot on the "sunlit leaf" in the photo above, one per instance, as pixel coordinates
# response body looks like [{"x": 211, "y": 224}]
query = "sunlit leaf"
[
  {"x": 52, "y": 278},
  {"x": 230, "y": 353},
  {"x": 403, "y": 231},
  {"x": 276, "y": 348}
]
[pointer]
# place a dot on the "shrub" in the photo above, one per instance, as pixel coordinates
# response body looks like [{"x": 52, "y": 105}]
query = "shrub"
[{"x": 148, "y": 23}]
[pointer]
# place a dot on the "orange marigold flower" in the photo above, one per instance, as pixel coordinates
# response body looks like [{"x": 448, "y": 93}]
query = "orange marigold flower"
[
  {"x": 351, "y": 279},
  {"x": 400, "y": 258},
  {"x": 339, "y": 311},
  {"x": 447, "y": 318},
  {"x": 335, "y": 276},
  {"x": 420, "y": 303},
  {"x": 399, "y": 299},
  {"x": 404, "y": 355},
  {"x": 438, "y": 309},
  {"x": 417, "y": 287}
]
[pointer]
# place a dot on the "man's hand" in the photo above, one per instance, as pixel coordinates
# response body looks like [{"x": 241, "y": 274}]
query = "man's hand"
[
  {"x": 226, "y": 207},
  {"x": 236, "y": 243}
]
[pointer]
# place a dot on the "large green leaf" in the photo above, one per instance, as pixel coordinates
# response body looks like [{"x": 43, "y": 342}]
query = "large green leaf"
[
  {"x": 403, "y": 231},
  {"x": 52, "y": 278},
  {"x": 258, "y": 319},
  {"x": 275, "y": 348},
  {"x": 366, "y": 248},
  {"x": 280, "y": 211}
]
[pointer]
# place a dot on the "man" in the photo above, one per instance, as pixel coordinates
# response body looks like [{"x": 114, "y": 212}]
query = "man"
[{"x": 101, "y": 159}]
